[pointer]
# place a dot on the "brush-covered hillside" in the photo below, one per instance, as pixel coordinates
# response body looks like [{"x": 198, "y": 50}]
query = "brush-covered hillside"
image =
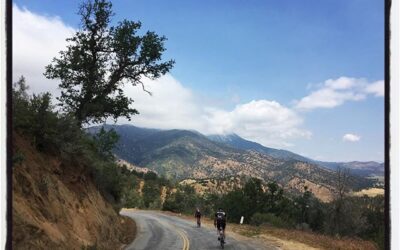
[
  {"x": 57, "y": 205},
  {"x": 364, "y": 169},
  {"x": 66, "y": 188},
  {"x": 182, "y": 154}
]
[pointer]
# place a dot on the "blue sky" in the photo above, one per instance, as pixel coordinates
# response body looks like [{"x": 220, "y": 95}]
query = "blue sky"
[{"x": 233, "y": 56}]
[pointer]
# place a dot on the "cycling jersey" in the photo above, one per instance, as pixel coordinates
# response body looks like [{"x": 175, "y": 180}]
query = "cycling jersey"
[{"x": 220, "y": 217}]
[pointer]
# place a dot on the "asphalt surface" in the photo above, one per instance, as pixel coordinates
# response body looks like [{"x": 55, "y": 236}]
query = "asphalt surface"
[{"x": 156, "y": 230}]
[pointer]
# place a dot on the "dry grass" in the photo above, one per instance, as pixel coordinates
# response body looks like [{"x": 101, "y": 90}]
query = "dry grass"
[
  {"x": 287, "y": 237},
  {"x": 371, "y": 192},
  {"x": 129, "y": 230},
  {"x": 291, "y": 239},
  {"x": 57, "y": 206}
]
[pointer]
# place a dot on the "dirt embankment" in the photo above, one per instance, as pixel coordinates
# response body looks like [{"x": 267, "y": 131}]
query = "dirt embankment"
[{"x": 57, "y": 206}]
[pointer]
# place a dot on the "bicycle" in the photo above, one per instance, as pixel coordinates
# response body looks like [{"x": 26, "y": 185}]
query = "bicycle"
[
  {"x": 198, "y": 222},
  {"x": 221, "y": 238}
]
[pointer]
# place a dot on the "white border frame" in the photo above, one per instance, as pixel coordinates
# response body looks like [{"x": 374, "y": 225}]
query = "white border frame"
[
  {"x": 3, "y": 127},
  {"x": 394, "y": 124}
]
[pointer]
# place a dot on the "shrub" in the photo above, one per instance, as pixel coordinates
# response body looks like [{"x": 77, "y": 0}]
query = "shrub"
[
  {"x": 268, "y": 219},
  {"x": 156, "y": 204},
  {"x": 184, "y": 200},
  {"x": 44, "y": 184},
  {"x": 133, "y": 199},
  {"x": 150, "y": 176}
]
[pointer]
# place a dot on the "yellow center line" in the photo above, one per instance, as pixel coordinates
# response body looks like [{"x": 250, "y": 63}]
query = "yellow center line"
[
  {"x": 186, "y": 243},
  {"x": 182, "y": 233}
]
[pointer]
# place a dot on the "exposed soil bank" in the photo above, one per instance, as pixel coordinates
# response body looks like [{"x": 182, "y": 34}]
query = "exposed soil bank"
[{"x": 56, "y": 205}]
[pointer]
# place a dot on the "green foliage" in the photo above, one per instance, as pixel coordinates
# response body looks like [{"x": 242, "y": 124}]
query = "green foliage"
[
  {"x": 99, "y": 59},
  {"x": 274, "y": 198},
  {"x": 108, "y": 177},
  {"x": 358, "y": 216},
  {"x": 106, "y": 141},
  {"x": 155, "y": 204},
  {"x": 150, "y": 176},
  {"x": 234, "y": 204},
  {"x": 71, "y": 141},
  {"x": 59, "y": 134},
  {"x": 184, "y": 200},
  {"x": 253, "y": 199},
  {"x": 34, "y": 116},
  {"x": 48, "y": 130},
  {"x": 253, "y": 196},
  {"x": 133, "y": 199},
  {"x": 268, "y": 219},
  {"x": 151, "y": 191},
  {"x": 20, "y": 105}
]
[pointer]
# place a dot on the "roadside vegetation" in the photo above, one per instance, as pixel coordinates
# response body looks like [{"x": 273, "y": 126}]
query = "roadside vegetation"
[
  {"x": 58, "y": 134},
  {"x": 346, "y": 216},
  {"x": 98, "y": 60}
]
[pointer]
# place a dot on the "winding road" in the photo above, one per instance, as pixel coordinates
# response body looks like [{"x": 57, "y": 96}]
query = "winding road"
[{"x": 156, "y": 230}]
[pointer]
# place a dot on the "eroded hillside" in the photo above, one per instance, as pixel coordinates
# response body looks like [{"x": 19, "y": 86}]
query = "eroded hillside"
[{"x": 57, "y": 206}]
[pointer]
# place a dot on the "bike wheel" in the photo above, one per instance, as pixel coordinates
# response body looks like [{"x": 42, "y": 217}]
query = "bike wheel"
[{"x": 222, "y": 241}]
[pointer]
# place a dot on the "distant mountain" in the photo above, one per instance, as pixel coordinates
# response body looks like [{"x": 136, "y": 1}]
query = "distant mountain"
[
  {"x": 370, "y": 168},
  {"x": 238, "y": 142},
  {"x": 183, "y": 154}
]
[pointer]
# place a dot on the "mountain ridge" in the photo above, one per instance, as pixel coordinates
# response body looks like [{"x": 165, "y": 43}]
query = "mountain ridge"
[
  {"x": 182, "y": 154},
  {"x": 362, "y": 168},
  {"x": 239, "y": 142}
]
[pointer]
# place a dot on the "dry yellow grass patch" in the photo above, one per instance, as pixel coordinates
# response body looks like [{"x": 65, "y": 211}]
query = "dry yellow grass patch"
[
  {"x": 291, "y": 239},
  {"x": 371, "y": 192},
  {"x": 297, "y": 239}
]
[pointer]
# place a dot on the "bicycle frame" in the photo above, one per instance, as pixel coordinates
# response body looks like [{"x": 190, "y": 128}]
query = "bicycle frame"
[
  {"x": 198, "y": 222},
  {"x": 221, "y": 238}
]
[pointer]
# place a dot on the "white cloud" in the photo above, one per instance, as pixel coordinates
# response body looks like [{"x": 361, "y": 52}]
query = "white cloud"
[
  {"x": 171, "y": 105},
  {"x": 351, "y": 137},
  {"x": 376, "y": 88},
  {"x": 174, "y": 106},
  {"x": 36, "y": 40},
  {"x": 342, "y": 83},
  {"x": 264, "y": 121},
  {"x": 335, "y": 92}
]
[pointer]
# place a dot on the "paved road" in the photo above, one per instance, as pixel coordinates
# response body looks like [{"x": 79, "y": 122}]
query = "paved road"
[{"x": 160, "y": 231}]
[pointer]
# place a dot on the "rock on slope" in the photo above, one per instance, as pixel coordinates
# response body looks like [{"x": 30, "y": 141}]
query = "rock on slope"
[{"x": 57, "y": 206}]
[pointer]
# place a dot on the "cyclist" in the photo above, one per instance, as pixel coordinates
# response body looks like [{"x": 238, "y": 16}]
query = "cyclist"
[
  {"x": 220, "y": 221},
  {"x": 197, "y": 215}
]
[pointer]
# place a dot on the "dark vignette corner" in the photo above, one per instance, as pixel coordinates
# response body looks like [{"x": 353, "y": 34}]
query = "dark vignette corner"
[
  {"x": 9, "y": 120},
  {"x": 388, "y": 4}
]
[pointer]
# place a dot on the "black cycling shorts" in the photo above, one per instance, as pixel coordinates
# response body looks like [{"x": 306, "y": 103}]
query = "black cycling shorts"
[{"x": 221, "y": 225}]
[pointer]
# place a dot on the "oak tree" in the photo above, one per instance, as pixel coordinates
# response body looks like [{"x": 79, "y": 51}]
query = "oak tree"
[{"x": 100, "y": 59}]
